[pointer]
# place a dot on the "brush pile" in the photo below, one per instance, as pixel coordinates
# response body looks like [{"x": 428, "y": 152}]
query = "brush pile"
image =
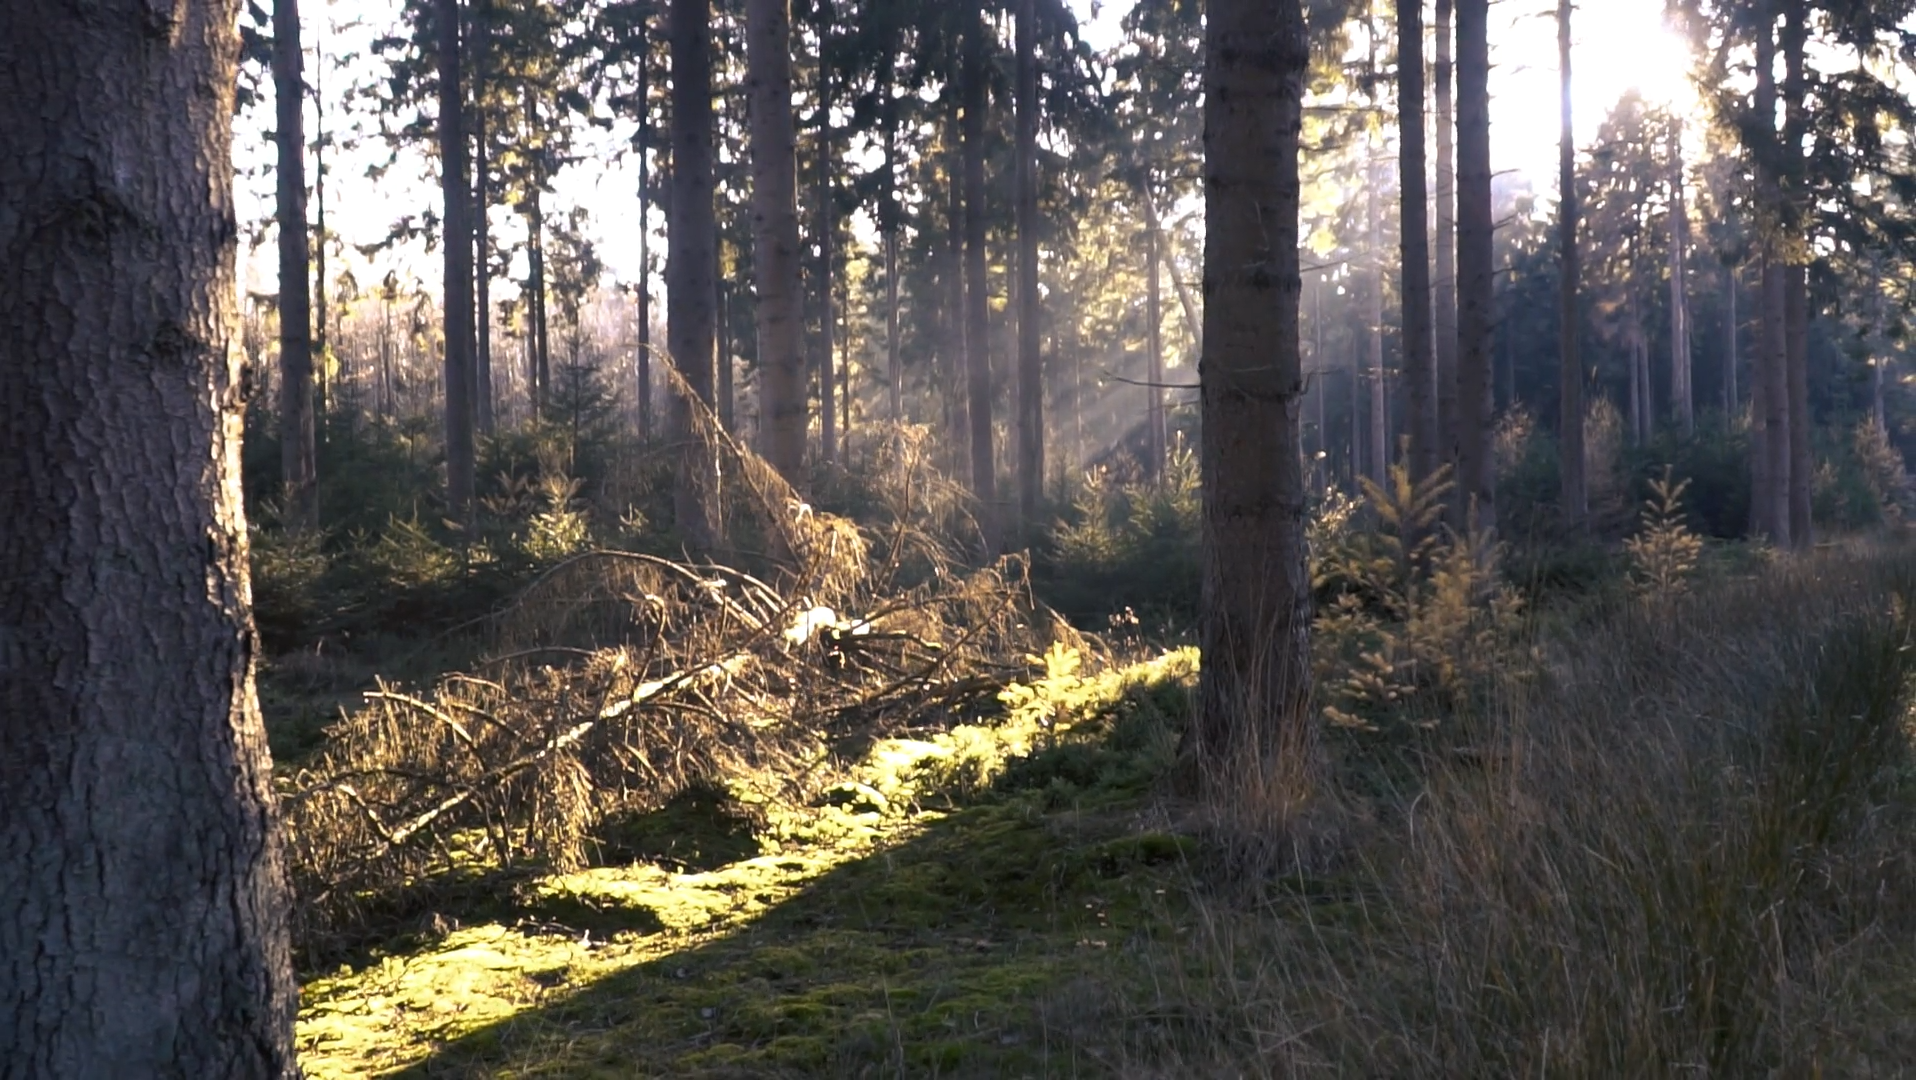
[{"x": 618, "y": 679}]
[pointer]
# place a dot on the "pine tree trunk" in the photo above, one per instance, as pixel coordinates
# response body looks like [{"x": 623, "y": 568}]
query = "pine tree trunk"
[
  {"x": 1420, "y": 378},
  {"x": 1575, "y": 494},
  {"x": 889, "y": 224},
  {"x": 1682, "y": 400},
  {"x": 984, "y": 481},
  {"x": 1476, "y": 475},
  {"x": 1731, "y": 397},
  {"x": 1254, "y": 717},
  {"x": 725, "y": 396},
  {"x": 320, "y": 325},
  {"x": 956, "y": 354},
  {"x": 1030, "y": 348},
  {"x": 1776, "y": 404},
  {"x": 827, "y": 259},
  {"x": 1374, "y": 297},
  {"x": 645, "y": 234},
  {"x": 1795, "y": 281},
  {"x": 482, "y": 221},
  {"x": 774, "y": 150},
  {"x": 1154, "y": 428},
  {"x": 298, "y": 469},
  {"x": 1444, "y": 275},
  {"x": 456, "y": 244},
  {"x": 146, "y": 912},
  {"x": 691, "y": 335}
]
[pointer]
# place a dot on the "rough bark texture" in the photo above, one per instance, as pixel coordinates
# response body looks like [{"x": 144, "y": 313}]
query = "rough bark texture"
[
  {"x": 691, "y": 334},
  {"x": 298, "y": 467},
  {"x": 1575, "y": 496},
  {"x": 774, "y": 154},
  {"x": 1030, "y": 355},
  {"x": 1420, "y": 376},
  {"x": 143, "y": 923},
  {"x": 1476, "y": 476},
  {"x": 1253, "y": 708},
  {"x": 984, "y": 479},
  {"x": 1444, "y": 274},
  {"x": 456, "y": 244}
]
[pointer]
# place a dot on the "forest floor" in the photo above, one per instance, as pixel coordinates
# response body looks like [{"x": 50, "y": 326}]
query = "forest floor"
[{"x": 1692, "y": 849}]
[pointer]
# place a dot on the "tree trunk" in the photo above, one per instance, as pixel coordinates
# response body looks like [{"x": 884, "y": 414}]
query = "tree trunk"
[
  {"x": 1420, "y": 379},
  {"x": 1731, "y": 398},
  {"x": 1772, "y": 440},
  {"x": 690, "y": 286},
  {"x": 298, "y": 469},
  {"x": 482, "y": 221},
  {"x": 645, "y": 234},
  {"x": 889, "y": 222},
  {"x": 955, "y": 353},
  {"x": 1154, "y": 428},
  {"x": 320, "y": 290},
  {"x": 145, "y": 930},
  {"x": 456, "y": 244},
  {"x": 1575, "y": 495},
  {"x": 1682, "y": 400},
  {"x": 1444, "y": 313},
  {"x": 725, "y": 398},
  {"x": 827, "y": 262},
  {"x": 1476, "y": 475},
  {"x": 774, "y": 150},
  {"x": 1796, "y": 276},
  {"x": 1253, "y": 721},
  {"x": 984, "y": 484},
  {"x": 1030, "y": 354},
  {"x": 1374, "y": 316}
]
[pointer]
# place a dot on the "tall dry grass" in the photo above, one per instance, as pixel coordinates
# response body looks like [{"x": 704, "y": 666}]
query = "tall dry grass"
[{"x": 1683, "y": 849}]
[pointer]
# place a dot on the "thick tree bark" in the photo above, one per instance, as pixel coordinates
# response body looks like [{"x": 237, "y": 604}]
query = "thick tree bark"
[
  {"x": 1444, "y": 312},
  {"x": 143, "y": 925},
  {"x": 456, "y": 244},
  {"x": 1420, "y": 376},
  {"x": 1030, "y": 349},
  {"x": 1476, "y": 474},
  {"x": 1682, "y": 397},
  {"x": 690, "y": 333},
  {"x": 768, "y": 82},
  {"x": 984, "y": 478},
  {"x": 298, "y": 459},
  {"x": 1254, "y": 714},
  {"x": 1574, "y": 497}
]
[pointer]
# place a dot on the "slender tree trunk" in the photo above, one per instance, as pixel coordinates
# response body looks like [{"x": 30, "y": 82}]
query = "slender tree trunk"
[
  {"x": 145, "y": 923},
  {"x": 1374, "y": 297},
  {"x": 725, "y": 394},
  {"x": 298, "y": 469},
  {"x": 984, "y": 483},
  {"x": 1030, "y": 354},
  {"x": 1254, "y": 721},
  {"x": 456, "y": 243},
  {"x": 827, "y": 264},
  {"x": 1731, "y": 398},
  {"x": 690, "y": 332},
  {"x": 1682, "y": 398},
  {"x": 482, "y": 219},
  {"x": 321, "y": 354},
  {"x": 1476, "y": 473},
  {"x": 645, "y": 233},
  {"x": 1772, "y": 440},
  {"x": 1444, "y": 313},
  {"x": 889, "y": 224},
  {"x": 1575, "y": 495},
  {"x": 1167, "y": 256},
  {"x": 768, "y": 81},
  {"x": 1420, "y": 376},
  {"x": 956, "y": 353},
  {"x": 1154, "y": 428},
  {"x": 1796, "y": 277}
]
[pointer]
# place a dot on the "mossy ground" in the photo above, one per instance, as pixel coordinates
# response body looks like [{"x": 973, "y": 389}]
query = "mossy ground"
[{"x": 963, "y": 905}]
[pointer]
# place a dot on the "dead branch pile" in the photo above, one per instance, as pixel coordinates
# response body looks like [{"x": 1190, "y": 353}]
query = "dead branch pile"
[{"x": 621, "y": 678}]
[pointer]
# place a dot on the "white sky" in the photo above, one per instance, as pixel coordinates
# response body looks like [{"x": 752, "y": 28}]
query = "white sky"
[{"x": 1619, "y": 44}]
